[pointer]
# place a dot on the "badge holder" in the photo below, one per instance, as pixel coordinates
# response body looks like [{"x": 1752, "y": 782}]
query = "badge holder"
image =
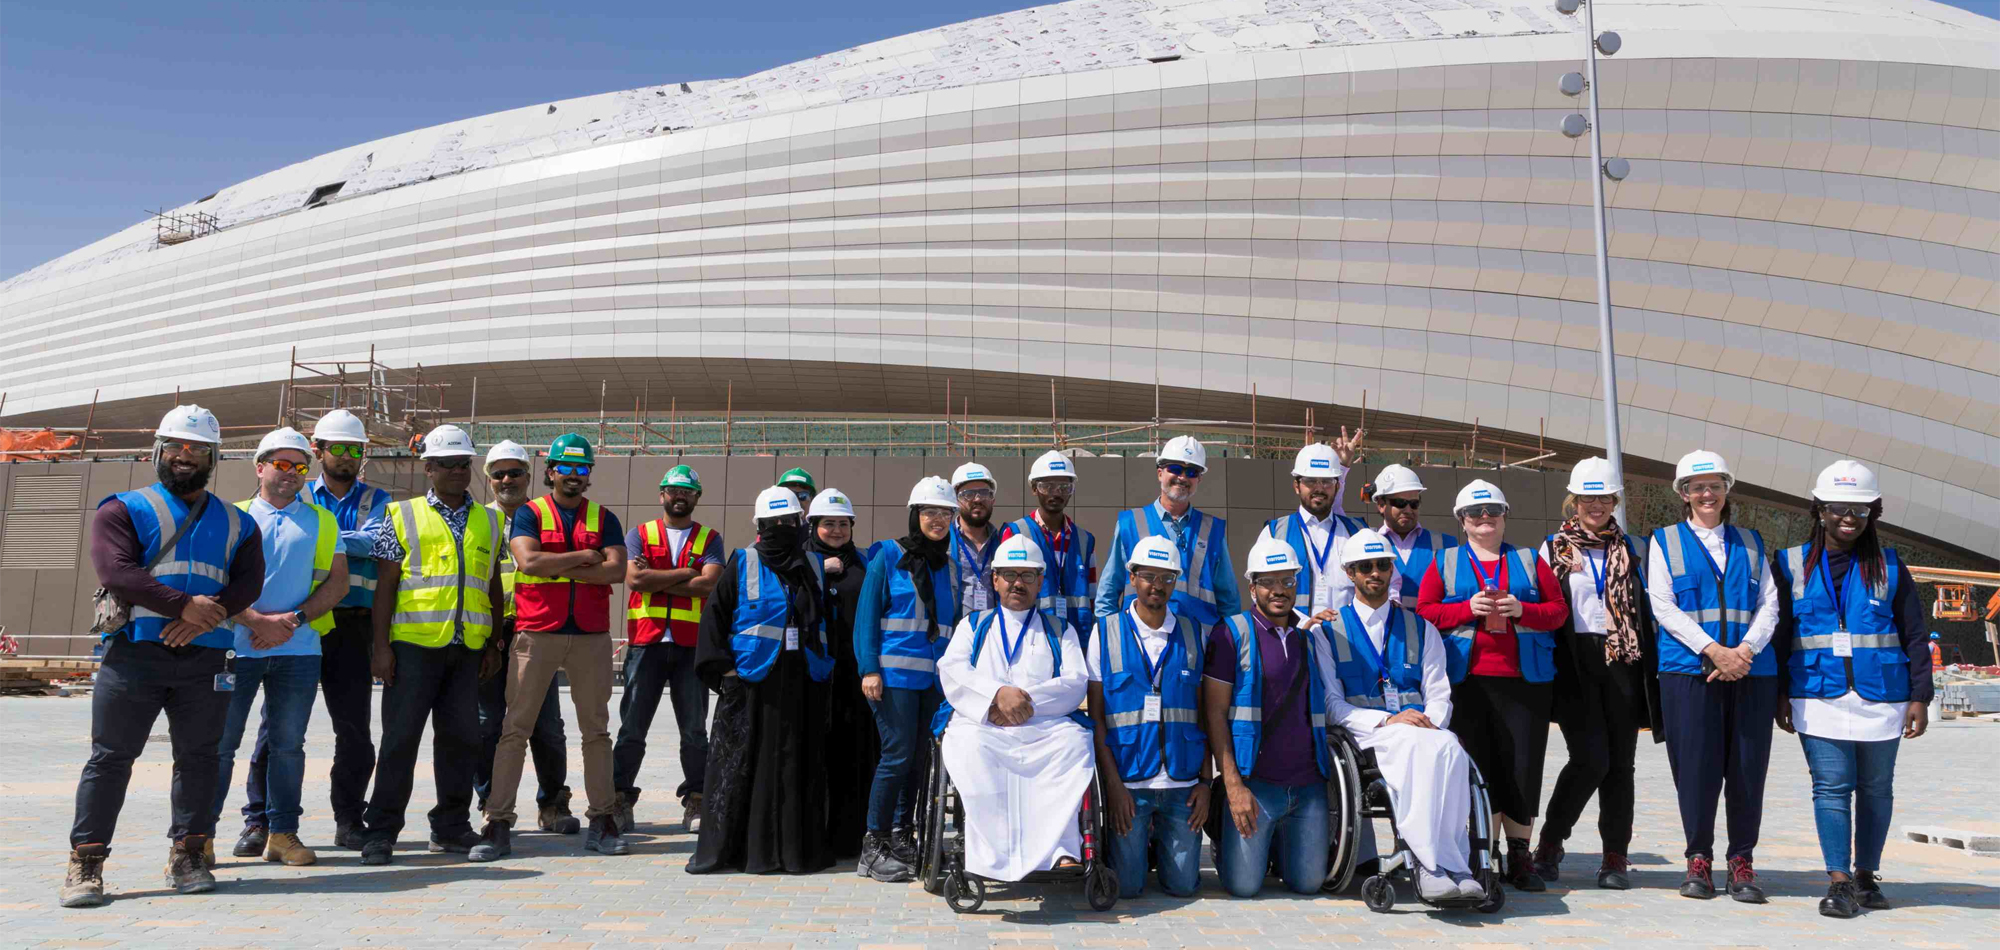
[
  {"x": 1843, "y": 643},
  {"x": 225, "y": 681}
]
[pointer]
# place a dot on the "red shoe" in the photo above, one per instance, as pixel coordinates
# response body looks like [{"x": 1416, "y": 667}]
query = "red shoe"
[{"x": 1743, "y": 886}]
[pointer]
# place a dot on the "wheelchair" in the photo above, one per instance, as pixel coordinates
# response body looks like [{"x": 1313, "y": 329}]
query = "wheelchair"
[
  {"x": 1357, "y": 795},
  {"x": 941, "y": 849}
]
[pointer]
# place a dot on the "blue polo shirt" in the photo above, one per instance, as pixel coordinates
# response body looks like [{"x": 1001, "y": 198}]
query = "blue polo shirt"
[{"x": 290, "y": 536}]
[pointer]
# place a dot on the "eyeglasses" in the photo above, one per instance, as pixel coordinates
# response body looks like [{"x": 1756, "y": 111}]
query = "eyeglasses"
[
  {"x": 507, "y": 473},
  {"x": 975, "y": 494},
  {"x": 1055, "y": 486},
  {"x": 1380, "y": 565},
  {"x": 685, "y": 494},
  {"x": 453, "y": 463},
  {"x": 200, "y": 450},
  {"x": 289, "y": 467},
  {"x": 1019, "y": 577},
  {"x": 1400, "y": 503},
  {"x": 1155, "y": 578},
  {"x": 932, "y": 513},
  {"x": 570, "y": 468},
  {"x": 1855, "y": 512},
  {"x": 1189, "y": 472},
  {"x": 1286, "y": 582},
  {"x": 1597, "y": 499},
  {"x": 343, "y": 450},
  {"x": 1706, "y": 488},
  {"x": 1482, "y": 511},
  {"x": 1316, "y": 482}
]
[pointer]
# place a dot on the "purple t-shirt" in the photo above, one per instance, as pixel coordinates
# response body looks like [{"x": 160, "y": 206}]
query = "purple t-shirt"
[{"x": 1285, "y": 752}]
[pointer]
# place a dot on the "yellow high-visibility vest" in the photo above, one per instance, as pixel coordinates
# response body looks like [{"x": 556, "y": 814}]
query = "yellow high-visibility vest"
[{"x": 445, "y": 579}]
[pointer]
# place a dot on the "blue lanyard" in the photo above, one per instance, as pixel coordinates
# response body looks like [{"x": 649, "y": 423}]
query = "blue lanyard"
[
  {"x": 1153, "y": 670},
  {"x": 1837, "y": 591},
  {"x": 1485, "y": 581},
  {"x": 1012, "y": 650},
  {"x": 1060, "y": 552},
  {"x": 1319, "y": 555},
  {"x": 1389, "y": 629},
  {"x": 1597, "y": 571}
]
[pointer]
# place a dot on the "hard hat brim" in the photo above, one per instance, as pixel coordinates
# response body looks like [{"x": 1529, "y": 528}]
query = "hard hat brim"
[{"x": 1857, "y": 497}]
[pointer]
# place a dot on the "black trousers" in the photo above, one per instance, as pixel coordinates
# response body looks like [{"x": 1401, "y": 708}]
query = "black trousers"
[
  {"x": 1503, "y": 722},
  {"x": 135, "y": 683},
  {"x": 650, "y": 670},
  {"x": 1719, "y": 743},
  {"x": 546, "y": 745},
  {"x": 440, "y": 686},
  {"x": 347, "y": 682},
  {"x": 1599, "y": 707}
]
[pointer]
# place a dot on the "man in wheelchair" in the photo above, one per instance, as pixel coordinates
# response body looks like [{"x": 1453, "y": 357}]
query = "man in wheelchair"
[
  {"x": 1384, "y": 670},
  {"x": 1017, "y": 746}
]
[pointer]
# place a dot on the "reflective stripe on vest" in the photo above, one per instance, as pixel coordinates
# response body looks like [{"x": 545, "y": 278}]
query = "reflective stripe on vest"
[
  {"x": 1723, "y": 608},
  {"x": 199, "y": 562},
  {"x": 1246, "y": 698},
  {"x": 1361, "y": 667},
  {"x": 1291, "y": 529},
  {"x": 445, "y": 588},
  {"x": 909, "y": 652},
  {"x": 1176, "y": 744},
  {"x": 1877, "y": 669},
  {"x": 1195, "y": 594},
  {"x": 654, "y": 616},
  {"x": 1067, "y": 591},
  {"x": 757, "y": 627},
  {"x": 981, "y": 622},
  {"x": 549, "y": 603},
  {"x": 1536, "y": 647}
]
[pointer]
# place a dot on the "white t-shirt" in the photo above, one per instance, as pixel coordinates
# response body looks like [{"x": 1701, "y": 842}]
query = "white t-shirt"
[
  {"x": 1154, "y": 641},
  {"x": 677, "y": 539},
  {"x": 1586, "y": 610}
]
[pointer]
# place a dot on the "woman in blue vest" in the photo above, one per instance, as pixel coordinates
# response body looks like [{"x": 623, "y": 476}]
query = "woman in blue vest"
[
  {"x": 1602, "y": 684},
  {"x": 1859, "y": 674},
  {"x": 1717, "y": 608},
  {"x": 1497, "y": 606},
  {"x": 909, "y": 605},
  {"x": 764, "y": 648}
]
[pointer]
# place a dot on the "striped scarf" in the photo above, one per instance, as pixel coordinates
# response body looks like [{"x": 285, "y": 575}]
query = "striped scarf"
[{"x": 1621, "y": 583}]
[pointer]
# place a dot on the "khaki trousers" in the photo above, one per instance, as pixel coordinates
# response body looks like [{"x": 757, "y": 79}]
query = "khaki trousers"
[{"x": 532, "y": 664}]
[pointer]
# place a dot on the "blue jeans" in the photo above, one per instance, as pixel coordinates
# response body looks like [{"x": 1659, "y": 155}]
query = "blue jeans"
[
  {"x": 1866, "y": 773},
  {"x": 1291, "y": 820},
  {"x": 290, "y": 685},
  {"x": 903, "y": 719},
  {"x": 1159, "y": 823}
]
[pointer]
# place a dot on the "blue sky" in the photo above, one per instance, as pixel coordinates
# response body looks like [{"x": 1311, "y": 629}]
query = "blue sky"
[{"x": 108, "y": 108}]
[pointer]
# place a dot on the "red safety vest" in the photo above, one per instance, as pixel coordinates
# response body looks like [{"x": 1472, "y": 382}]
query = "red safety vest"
[
  {"x": 547, "y": 603},
  {"x": 653, "y": 615}
]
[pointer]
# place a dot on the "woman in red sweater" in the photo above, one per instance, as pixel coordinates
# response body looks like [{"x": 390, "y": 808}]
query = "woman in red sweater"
[{"x": 1496, "y": 606}]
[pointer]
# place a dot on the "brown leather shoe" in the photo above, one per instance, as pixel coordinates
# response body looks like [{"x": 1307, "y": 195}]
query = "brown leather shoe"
[{"x": 288, "y": 850}]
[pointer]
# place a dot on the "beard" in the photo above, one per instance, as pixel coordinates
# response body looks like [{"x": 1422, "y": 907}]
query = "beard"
[
  {"x": 512, "y": 495},
  {"x": 180, "y": 484}
]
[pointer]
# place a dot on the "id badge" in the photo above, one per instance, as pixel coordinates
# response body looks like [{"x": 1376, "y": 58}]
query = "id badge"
[
  {"x": 1843, "y": 643},
  {"x": 1152, "y": 707},
  {"x": 791, "y": 638},
  {"x": 225, "y": 682},
  {"x": 1392, "y": 699},
  {"x": 1597, "y": 618}
]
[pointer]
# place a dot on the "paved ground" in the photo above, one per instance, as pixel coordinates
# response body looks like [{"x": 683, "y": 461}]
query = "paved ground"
[{"x": 551, "y": 894}]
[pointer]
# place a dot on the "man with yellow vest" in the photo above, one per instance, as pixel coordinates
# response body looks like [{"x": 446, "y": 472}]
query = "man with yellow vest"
[
  {"x": 507, "y": 471},
  {"x": 277, "y": 646},
  {"x": 674, "y": 563},
  {"x": 437, "y": 596},
  {"x": 568, "y": 552}
]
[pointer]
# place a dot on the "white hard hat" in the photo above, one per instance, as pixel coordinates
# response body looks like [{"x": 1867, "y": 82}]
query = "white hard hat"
[
  {"x": 1318, "y": 460},
  {"x": 931, "y": 491},
  {"x": 447, "y": 441},
  {"x": 1052, "y": 464},
  {"x": 1155, "y": 551},
  {"x": 776, "y": 502},
  {"x": 1846, "y": 480},
  {"x": 1366, "y": 544},
  {"x": 285, "y": 438},
  {"x": 340, "y": 426},
  {"x": 972, "y": 472},
  {"x": 507, "y": 450},
  {"x": 1186, "y": 449},
  {"x": 1593, "y": 476},
  {"x": 1272, "y": 556},
  {"x": 1701, "y": 462},
  {"x": 190, "y": 423},
  {"x": 1479, "y": 491},
  {"x": 1394, "y": 479},
  {"x": 830, "y": 503},
  {"x": 1018, "y": 552}
]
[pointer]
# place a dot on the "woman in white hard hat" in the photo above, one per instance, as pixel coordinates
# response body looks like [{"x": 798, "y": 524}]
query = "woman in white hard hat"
[
  {"x": 1601, "y": 672},
  {"x": 1859, "y": 674},
  {"x": 851, "y": 745},
  {"x": 1497, "y": 606},
  {"x": 1717, "y": 608}
]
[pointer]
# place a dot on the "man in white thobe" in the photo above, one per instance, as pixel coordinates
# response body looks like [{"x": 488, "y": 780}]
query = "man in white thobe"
[
  {"x": 1020, "y": 761},
  {"x": 1399, "y": 709}
]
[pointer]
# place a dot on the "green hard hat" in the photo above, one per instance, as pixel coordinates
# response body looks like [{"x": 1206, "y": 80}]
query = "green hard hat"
[
  {"x": 681, "y": 476},
  {"x": 570, "y": 447},
  {"x": 798, "y": 476}
]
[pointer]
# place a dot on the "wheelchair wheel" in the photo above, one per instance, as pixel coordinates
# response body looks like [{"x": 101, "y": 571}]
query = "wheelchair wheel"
[
  {"x": 1345, "y": 816},
  {"x": 1496, "y": 892},
  {"x": 962, "y": 894},
  {"x": 1100, "y": 887},
  {"x": 1378, "y": 893}
]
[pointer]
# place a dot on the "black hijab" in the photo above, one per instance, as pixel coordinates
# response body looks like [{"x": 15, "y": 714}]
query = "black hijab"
[
  {"x": 921, "y": 556},
  {"x": 781, "y": 546},
  {"x": 847, "y": 553}
]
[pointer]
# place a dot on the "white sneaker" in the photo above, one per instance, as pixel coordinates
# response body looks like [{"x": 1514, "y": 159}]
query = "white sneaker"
[
  {"x": 1436, "y": 885},
  {"x": 1469, "y": 887}
]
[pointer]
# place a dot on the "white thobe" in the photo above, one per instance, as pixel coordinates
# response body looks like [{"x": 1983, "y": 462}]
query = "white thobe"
[
  {"x": 1021, "y": 785},
  {"x": 1426, "y": 770}
]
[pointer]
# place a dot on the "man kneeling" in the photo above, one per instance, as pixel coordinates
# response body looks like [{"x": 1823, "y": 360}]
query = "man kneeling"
[
  {"x": 1017, "y": 747},
  {"x": 1384, "y": 670}
]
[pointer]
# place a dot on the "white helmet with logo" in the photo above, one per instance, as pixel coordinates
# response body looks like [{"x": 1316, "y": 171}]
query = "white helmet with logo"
[
  {"x": 1052, "y": 464},
  {"x": 972, "y": 472},
  {"x": 1185, "y": 449},
  {"x": 1395, "y": 479},
  {"x": 830, "y": 503},
  {"x": 285, "y": 438},
  {"x": 1847, "y": 480},
  {"x": 1155, "y": 551},
  {"x": 931, "y": 491},
  {"x": 775, "y": 502},
  {"x": 1593, "y": 476},
  {"x": 190, "y": 423},
  {"x": 1318, "y": 460},
  {"x": 1018, "y": 552},
  {"x": 1366, "y": 544},
  {"x": 1479, "y": 491},
  {"x": 1272, "y": 556},
  {"x": 448, "y": 441},
  {"x": 507, "y": 450},
  {"x": 1701, "y": 462},
  {"x": 340, "y": 426}
]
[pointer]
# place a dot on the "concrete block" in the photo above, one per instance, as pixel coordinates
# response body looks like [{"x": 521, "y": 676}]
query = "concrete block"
[
  {"x": 1100, "y": 482},
  {"x": 855, "y": 477},
  {"x": 894, "y": 477},
  {"x": 1249, "y": 484},
  {"x": 744, "y": 477}
]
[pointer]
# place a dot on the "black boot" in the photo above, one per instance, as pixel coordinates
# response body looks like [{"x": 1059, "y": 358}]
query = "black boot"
[
  {"x": 496, "y": 842},
  {"x": 1700, "y": 880},
  {"x": 349, "y": 835},
  {"x": 904, "y": 846},
  {"x": 1743, "y": 886},
  {"x": 1548, "y": 861},
  {"x": 878, "y": 863},
  {"x": 1520, "y": 870},
  {"x": 1840, "y": 901},
  {"x": 1868, "y": 890}
]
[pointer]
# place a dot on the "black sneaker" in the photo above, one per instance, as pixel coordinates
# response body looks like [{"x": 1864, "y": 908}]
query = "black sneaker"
[
  {"x": 1840, "y": 901},
  {"x": 1548, "y": 861},
  {"x": 251, "y": 844},
  {"x": 1520, "y": 870},
  {"x": 1700, "y": 881},
  {"x": 903, "y": 845},
  {"x": 1743, "y": 886},
  {"x": 603, "y": 837},
  {"x": 496, "y": 842},
  {"x": 885, "y": 866},
  {"x": 377, "y": 850},
  {"x": 349, "y": 835},
  {"x": 1868, "y": 890}
]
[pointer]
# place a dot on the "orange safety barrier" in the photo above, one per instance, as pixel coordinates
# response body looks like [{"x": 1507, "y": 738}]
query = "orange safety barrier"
[{"x": 33, "y": 445}]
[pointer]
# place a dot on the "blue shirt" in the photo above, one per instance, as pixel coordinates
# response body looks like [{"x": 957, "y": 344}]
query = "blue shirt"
[{"x": 290, "y": 536}]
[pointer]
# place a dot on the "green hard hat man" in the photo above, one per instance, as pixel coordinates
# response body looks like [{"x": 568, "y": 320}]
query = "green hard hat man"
[{"x": 800, "y": 482}]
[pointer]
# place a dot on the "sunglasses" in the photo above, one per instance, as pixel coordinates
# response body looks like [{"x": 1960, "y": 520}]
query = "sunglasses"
[
  {"x": 1400, "y": 503},
  {"x": 1855, "y": 512},
  {"x": 686, "y": 494},
  {"x": 1155, "y": 578},
  {"x": 1178, "y": 470},
  {"x": 454, "y": 463},
  {"x": 342, "y": 450},
  {"x": 1288, "y": 582},
  {"x": 200, "y": 450},
  {"x": 288, "y": 467},
  {"x": 976, "y": 494},
  {"x": 1380, "y": 565},
  {"x": 1055, "y": 486},
  {"x": 570, "y": 468},
  {"x": 1482, "y": 511},
  {"x": 507, "y": 473},
  {"x": 1019, "y": 577}
]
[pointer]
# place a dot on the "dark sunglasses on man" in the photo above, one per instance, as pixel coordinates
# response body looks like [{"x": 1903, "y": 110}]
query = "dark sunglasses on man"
[
  {"x": 343, "y": 450},
  {"x": 1179, "y": 470},
  {"x": 508, "y": 473},
  {"x": 570, "y": 468},
  {"x": 453, "y": 462},
  {"x": 1399, "y": 503},
  {"x": 1380, "y": 565}
]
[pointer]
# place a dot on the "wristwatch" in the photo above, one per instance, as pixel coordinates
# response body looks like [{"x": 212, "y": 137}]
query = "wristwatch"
[{"x": 299, "y": 616}]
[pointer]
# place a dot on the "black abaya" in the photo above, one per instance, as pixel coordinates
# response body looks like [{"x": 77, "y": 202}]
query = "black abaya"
[{"x": 852, "y": 747}]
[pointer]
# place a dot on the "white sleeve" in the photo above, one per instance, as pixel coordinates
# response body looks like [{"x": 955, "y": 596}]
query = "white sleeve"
[
  {"x": 1667, "y": 612},
  {"x": 969, "y": 691},
  {"x": 1093, "y": 657},
  {"x": 1765, "y": 623},
  {"x": 1358, "y": 720},
  {"x": 1064, "y": 694},
  {"x": 1437, "y": 682}
]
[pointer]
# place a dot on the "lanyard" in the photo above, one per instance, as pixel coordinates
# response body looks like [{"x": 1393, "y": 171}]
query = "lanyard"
[
  {"x": 1153, "y": 669},
  {"x": 1319, "y": 555},
  {"x": 1059, "y": 545},
  {"x": 1837, "y": 591},
  {"x": 1389, "y": 629},
  {"x": 1012, "y": 650},
  {"x": 1710, "y": 558},
  {"x": 1597, "y": 571},
  {"x": 1485, "y": 581},
  {"x": 975, "y": 559},
  {"x": 1396, "y": 549}
]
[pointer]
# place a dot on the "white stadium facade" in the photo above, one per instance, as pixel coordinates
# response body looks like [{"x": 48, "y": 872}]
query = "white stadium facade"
[{"x": 1314, "y": 198}]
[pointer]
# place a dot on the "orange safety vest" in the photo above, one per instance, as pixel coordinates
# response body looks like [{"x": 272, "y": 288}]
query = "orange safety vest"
[
  {"x": 653, "y": 615},
  {"x": 547, "y": 603}
]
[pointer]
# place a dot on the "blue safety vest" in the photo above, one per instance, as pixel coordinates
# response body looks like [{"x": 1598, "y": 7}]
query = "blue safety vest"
[
  {"x": 982, "y": 621},
  {"x": 1725, "y": 610},
  {"x": 1292, "y": 529},
  {"x": 1065, "y": 590},
  {"x": 909, "y": 650},
  {"x": 1246, "y": 698},
  {"x": 1362, "y": 670},
  {"x": 1176, "y": 742},
  {"x": 1424, "y": 549},
  {"x": 1194, "y": 595},
  {"x": 199, "y": 562},
  {"x": 1461, "y": 581},
  {"x": 1879, "y": 670},
  {"x": 352, "y": 514},
  {"x": 757, "y": 631}
]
